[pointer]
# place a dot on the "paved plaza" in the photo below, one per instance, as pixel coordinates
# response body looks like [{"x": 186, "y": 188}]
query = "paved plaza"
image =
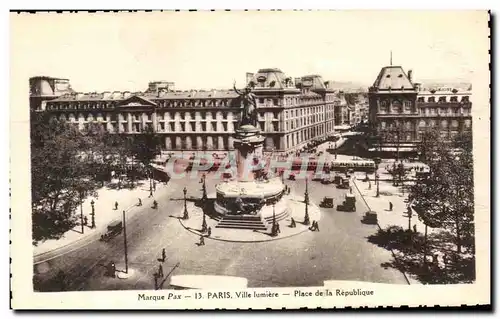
[{"x": 339, "y": 251}]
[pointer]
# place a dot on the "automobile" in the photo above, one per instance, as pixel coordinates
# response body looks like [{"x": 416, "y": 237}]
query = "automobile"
[
  {"x": 348, "y": 205},
  {"x": 370, "y": 218},
  {"x": 318, "y": 176},
  {"x": 344, "y": 184},
  {"x": 327, "y": 202},
  {"x": 113, "y": 229},
  {"x": 327, "y": 179}
]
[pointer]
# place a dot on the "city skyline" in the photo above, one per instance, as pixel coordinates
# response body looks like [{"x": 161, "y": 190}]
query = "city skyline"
[{"x": 209, "y": 57}]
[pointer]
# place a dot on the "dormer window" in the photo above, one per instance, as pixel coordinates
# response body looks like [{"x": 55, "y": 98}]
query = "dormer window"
[
  {"x": 388, "y": 76},
  {"x": 400, "y": 76}
]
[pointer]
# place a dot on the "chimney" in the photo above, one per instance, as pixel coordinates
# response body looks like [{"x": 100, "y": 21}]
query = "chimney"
[
  {"x": 249, "y": 77},
  {"x": 410, "y": 75}
]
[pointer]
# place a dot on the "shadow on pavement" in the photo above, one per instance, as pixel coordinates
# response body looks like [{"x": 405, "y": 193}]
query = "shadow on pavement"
[{"x": 408, "y": 248}]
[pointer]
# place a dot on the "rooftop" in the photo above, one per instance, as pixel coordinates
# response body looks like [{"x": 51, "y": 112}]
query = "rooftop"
[{"x": 393, "y": 78}]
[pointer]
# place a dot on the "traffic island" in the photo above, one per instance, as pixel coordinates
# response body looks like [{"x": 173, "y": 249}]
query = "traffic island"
[
  {"x": 120, "y": 274},
  {"x": 296, "y": 211}
]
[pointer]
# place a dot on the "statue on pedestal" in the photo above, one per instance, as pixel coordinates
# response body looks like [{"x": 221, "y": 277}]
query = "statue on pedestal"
[{"x": 248, "y": 105}]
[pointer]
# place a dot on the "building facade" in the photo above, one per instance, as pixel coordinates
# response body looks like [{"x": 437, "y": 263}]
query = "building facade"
[
  {"x": 291, "y": 113},
  {"x": 401, "y": 112}
]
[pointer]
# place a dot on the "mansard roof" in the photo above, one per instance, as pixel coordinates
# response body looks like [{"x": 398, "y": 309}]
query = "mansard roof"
[{"x": 393, "y": 78}]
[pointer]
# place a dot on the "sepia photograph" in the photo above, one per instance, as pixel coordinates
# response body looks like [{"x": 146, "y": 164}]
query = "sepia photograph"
[{"x": 220, "y": 157}]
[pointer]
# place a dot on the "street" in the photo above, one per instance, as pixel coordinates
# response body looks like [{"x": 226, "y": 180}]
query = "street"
[{"x": 339, "y": 251}]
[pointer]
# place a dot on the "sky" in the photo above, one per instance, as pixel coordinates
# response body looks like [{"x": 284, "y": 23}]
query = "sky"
[{"x": 203, "y": 50}]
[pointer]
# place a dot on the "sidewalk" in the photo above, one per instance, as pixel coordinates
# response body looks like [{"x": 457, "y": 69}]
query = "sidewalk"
[{"x": 104, "y": 214}]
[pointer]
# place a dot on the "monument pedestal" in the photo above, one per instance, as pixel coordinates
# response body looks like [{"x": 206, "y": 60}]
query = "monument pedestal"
[{"x": 247, "y": 202}]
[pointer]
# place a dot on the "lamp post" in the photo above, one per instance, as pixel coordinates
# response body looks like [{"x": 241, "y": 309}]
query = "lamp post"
[
  {"x": 186, "y": 215},
  {"x": 377, "y": 162},
  {"x": 335, "y": 149},
  {"x": 92, "y": 215},
  {"x": 125, "y": 243},
  {"x": 150, "y": 182},
  {"x": 274, "y": 231},
  {"x": 204, "y": 201},
  {"x": 81, "y": 210},
  {"x": 306, "y": 201}
]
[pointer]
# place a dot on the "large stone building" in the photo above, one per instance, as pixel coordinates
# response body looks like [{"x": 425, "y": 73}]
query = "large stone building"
[
  {"x": 401, "y": 112},
  {"x": 290, "y": 112}
]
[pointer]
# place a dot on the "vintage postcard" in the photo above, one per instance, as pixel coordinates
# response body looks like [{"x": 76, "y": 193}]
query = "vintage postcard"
[{"x": 258, "y": 159}]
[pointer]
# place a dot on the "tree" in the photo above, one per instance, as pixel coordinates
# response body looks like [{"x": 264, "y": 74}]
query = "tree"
[
  {"x": 446, "y": 197},
  {"x": 145, "y": 146},
  {"x": 58, "y": 176}
]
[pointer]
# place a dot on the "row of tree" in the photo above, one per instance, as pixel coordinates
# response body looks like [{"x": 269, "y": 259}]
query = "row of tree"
[
  {"x": 445, "y": 197},
  {"x": 68, "y": 164}
]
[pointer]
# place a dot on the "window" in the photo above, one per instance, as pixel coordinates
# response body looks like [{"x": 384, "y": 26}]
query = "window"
[
  {"x": 275, "y": 102},
  {"x": 453, "y": 99},
  {"x": 431, "y": 99},
  {"x": 454, "y": 123},
  {"x": 421, "y": 99},
  {"x": 422, "y": 123},
  {"x": 465, "y": 99},
  {"x": 261, "y": 101},
  {"x": 442, "y": 99}
]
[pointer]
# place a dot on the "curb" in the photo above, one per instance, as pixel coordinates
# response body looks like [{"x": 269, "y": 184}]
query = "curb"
[
  {"x": 242, "y": 241},
  {"x": 79, "y": 240},
  {"x": 380, "y": 228}
]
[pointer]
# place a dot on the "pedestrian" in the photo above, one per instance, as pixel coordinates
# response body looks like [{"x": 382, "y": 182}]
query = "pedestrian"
[
  {"x": 209, "y": 231},
  {"x": 390, "y": 206},
  {"x": 140, "y": 202},
  {"x": 116, "y": 205},
  {"x": 160, "y": 271},
  {"x": 414, "y": 228},
  {"x": 369, "y": 185},
  {"x": 350, "y": 189},
  {"x": 154, "y": 186},
  {"x": 85, "y": 220},
  {"x": 202, "y": 241},
  {"x": 112, "y": 269},
  {"x": 292, "y": 224},
  {"x": 317, "y": 226},
  {"x": 163, "y": 255},
  {"x": 278, "y": 230}
]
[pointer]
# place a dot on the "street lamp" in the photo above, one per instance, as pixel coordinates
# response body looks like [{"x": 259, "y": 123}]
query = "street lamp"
[
  {"x": 377, "y": 162},
  {"x": 81, "y": 209},
  {"x": 306, "y": 201},
  {"x": 274, "y": 231},
  {"x": 125, "y": 243},
  {"x": 92, "y": 215},
  {"x": 204, "y": 201},
  {"x": 335, "y": 149},
  {"x": 150, "y": 182},
  {"x": 186, "y": 215}
]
